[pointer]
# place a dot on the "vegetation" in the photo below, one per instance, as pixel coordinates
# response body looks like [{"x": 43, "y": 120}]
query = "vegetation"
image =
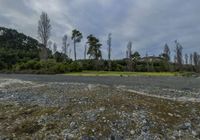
[
  {"x": 17, "y": 48},
  {"x": 22, "y": 54},
  {"x": 44, "y": 32},
  {"x": 76, "y": 37},
  {"x": 113, "y": 73},
  {"x": 94, "y": 47}
]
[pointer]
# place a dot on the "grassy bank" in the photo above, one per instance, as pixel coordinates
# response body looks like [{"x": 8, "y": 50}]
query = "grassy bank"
[{"x": 111, "y": 73}]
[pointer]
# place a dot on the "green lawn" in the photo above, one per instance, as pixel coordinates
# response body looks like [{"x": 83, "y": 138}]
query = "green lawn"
[{"x": 112, "y": 73}]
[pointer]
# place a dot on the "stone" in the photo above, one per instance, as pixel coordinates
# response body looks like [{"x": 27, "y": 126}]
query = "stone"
[
  {"x": 132, "y": 132},
  {"x": 185, "y": 126},
  {"x": 194, "y": 133},
  {"x": 144, "y": 121},
  {"x": 177, "y": 133},
  {"x": 68, "y": 136},
  {"x": 92, "y": 115},
  {"x": 116, "y": 137},
  {"x": 72, "y": 125},
  {"x": 102, "y": 109},
  {"x": 87, "y": 138},
  {"x": 170, "y": 114},
  {"x": 145, "y": 128}
]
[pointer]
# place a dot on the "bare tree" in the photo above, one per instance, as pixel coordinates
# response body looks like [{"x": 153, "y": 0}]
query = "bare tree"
[
  {"x": 109, "y": 50},
  {"x": 166, "y": 52},
  {"x": 85, "y": 52},
  {"x": 54, "y": 48},
  {"x": 50, "y": 44},
  {"x": 179, "y": 54},
  {"x": 196, "y": 59},
  {"x": 44, "y": 31},
  {"x": 175, "y": 59},
  {"x": 129, "y": 49},
  {"x": 186, "y": 58},
  {"x": 70, "y": 52},
  {"x": 191, "y": 59},
  {"x": 129, "y": 56},
  {"x": 126, "y": 54},
  {"x": 65, "y": 45}
]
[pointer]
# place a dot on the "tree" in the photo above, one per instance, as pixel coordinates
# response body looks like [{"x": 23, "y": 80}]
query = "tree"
[
  {"x": 179, "y": 54},
  {"x": 186, "y": 58},
  {"x": 76, "y": 37},
  {"x": 94, "y": 47},
  {"x": 135, "y": 56},
  {"x": 60, "y": 57},
  {"x": 166, "y": 52},
  {"x": 129, "y": 50},
  {"x": 166, "y": 57},
  {"x": 109, "y": 50},
  {"x": 85, "y": 52},
  {"x": 195, "y": 58},
  {"x": 54, "y": 48},
  {"x": 50, "y": 44},
  {"x": 44, "y": 31},
  {"x": 70, "y": 51},
  {"x": 191, "y": 59},
  {"x": 65, "y": 45},
  {"x": 129, "y": 54}
]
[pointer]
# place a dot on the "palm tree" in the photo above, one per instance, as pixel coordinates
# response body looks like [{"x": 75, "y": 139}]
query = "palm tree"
[{"x": 76, "y": 37}]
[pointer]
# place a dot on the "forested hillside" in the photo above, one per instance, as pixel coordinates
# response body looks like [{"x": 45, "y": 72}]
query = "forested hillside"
[{"x": 16, "y": 47}]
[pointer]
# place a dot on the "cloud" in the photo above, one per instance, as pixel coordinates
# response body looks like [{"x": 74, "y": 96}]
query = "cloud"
[{"x": 148, "y": 24}]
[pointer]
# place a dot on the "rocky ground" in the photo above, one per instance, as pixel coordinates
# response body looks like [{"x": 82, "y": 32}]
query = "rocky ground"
[{"x": 32, "y": 107}]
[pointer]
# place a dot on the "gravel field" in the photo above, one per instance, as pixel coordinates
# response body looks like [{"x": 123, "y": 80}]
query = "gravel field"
[
  {"x": 92, "y": 108},
  {"x": 181, "y": 88}
]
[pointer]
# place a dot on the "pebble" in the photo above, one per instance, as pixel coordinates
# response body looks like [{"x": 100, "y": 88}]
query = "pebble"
[
  {"x": 194, "y": 133},
  {"x": 102, "y": 109},
  {"x": 132, "y": 132},
  {"x": 72, "y": 125},
  {"x": 185, "y": 126},
  {"x": 170, "y": 114}
]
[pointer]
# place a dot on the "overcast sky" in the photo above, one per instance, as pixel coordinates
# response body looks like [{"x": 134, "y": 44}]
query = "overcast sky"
[{"x": 149, "y": 24}]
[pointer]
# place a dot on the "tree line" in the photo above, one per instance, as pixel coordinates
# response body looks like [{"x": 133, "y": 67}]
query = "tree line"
[{"x": 44, "y": 57}]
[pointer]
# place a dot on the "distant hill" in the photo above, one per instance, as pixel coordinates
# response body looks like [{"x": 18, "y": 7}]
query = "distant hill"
[{"x": 16, "y": 47}]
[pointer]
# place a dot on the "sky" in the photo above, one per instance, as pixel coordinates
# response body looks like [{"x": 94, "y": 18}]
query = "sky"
[{"x": 148, "y": 24}]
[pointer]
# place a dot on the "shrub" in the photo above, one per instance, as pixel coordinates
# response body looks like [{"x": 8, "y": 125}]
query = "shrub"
[
  {"x": 2, "y": 65},
  {"x": 75, "y": 67}
]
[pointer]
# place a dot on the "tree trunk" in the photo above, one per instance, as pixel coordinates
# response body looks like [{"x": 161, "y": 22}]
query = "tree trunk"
[
  {"x": 109, "y": 65},
  {"x": 85, "y": 52},
  {"x": 43, "y": 53},
  {"x": 75, "y": 50}
]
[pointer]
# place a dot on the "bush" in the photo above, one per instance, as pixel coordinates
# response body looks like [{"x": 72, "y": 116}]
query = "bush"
[
  {"x": 74, "y": 67},
  {"x": 2, "y": 65},
  {"x": 47, "y": 67}
]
